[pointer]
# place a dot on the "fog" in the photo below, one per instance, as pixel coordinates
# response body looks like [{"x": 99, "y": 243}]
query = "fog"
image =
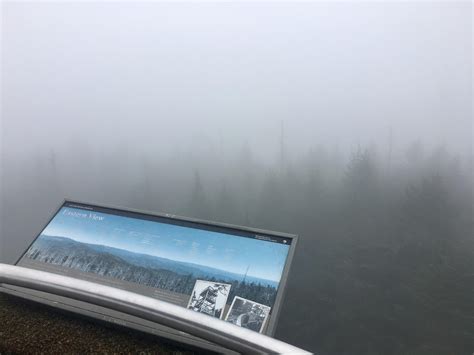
[{"x": 348, "y": 123}]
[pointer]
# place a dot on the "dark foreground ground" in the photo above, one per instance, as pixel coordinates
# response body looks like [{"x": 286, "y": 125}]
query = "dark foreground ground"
[{"x": 26, "y": 327}]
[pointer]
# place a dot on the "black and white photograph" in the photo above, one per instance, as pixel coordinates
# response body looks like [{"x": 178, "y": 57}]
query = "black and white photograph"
[
  {"x": 248, "y": 314},
  {"x": 209, "y": 297}
]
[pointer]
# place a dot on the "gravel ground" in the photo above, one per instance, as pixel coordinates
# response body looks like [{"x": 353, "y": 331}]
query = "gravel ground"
[{"x": 27, "y": 327}]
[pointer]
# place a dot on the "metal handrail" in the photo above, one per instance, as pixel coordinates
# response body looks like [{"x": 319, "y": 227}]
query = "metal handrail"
[{"x": 214, "y": 330}]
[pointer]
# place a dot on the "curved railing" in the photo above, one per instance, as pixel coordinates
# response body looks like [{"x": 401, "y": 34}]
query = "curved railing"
[{"x": 214, "y": 330}]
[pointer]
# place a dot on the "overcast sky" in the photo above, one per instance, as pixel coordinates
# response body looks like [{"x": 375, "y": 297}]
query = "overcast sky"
[{"x": 177, "y": 76}]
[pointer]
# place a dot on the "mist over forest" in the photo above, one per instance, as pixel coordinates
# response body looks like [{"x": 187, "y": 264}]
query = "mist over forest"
[
  {"x": 385, "y": 261},
  {"x": 349, "y": 124}
]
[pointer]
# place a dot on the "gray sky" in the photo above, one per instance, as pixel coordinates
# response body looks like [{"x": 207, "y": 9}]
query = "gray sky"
[{"x": 176, "y": 76}]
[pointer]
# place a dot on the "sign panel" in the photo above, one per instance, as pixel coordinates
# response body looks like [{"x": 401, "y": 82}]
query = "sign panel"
[{"x": 232, "y": 273}]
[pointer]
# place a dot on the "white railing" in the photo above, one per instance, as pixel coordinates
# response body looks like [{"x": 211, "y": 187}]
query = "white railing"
[{"x": 214, "y": 330}]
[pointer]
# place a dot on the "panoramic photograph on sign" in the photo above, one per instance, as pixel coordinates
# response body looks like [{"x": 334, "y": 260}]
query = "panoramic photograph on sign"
[{"x": 200, "y": 269}]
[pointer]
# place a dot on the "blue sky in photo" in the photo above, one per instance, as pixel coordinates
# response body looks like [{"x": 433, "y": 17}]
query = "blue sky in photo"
[{"x": 218, "y": 250}]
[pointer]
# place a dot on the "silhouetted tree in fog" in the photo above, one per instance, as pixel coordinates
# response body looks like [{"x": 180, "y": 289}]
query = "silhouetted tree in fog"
[{"x": 199, "y": 204}]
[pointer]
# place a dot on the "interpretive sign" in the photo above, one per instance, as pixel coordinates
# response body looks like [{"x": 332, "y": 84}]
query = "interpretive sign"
[{"x": 232, "y": 273}]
